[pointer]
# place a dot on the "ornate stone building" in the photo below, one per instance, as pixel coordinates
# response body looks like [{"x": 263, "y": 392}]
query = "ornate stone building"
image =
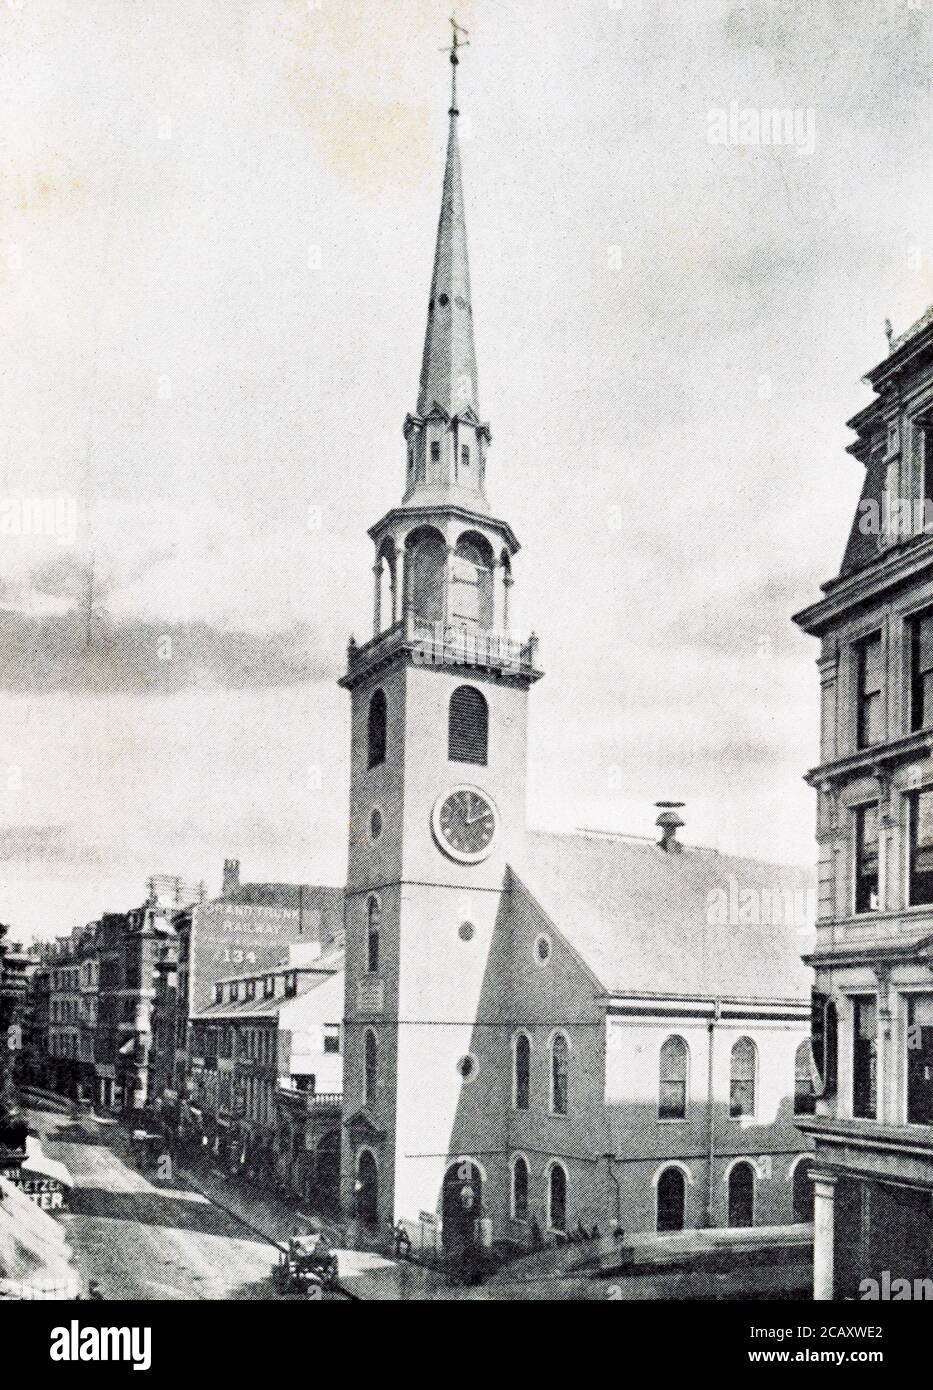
[{"x": 873, "y": 1000}]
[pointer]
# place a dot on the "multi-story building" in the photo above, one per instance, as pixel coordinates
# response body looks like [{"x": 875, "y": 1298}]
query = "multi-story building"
[
  {"x": 131, "y": 949},
  {"x": 64, "y": 1007},
  {"x": 249, "y": 928},
  {"x": 541, "y": 1031},
  {"x": 267, "y": 1073},
  {"x": 873, "y": 1000}
]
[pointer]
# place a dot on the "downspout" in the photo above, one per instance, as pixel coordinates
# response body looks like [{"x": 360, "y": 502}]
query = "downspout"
[
  {"x": 618, "y": 1186},
  {"x": 711, "y": 1117}
]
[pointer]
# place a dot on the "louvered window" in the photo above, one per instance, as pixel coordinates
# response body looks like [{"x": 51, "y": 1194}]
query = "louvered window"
[{"x": 468, "y": 727}]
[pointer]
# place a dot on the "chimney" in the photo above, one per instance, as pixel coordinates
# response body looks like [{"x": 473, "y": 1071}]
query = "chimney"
[
  {"x": 670, "y": 822},
  {"x": 231, "y": 877}
]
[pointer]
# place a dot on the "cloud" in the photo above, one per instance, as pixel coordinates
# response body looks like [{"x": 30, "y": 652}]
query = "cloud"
[
  {"x": 49, "y": 844},
  {"x": 50, "y": 653}
]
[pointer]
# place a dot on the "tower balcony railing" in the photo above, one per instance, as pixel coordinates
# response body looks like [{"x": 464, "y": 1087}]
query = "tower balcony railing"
[{"x": 447, "y": 644}]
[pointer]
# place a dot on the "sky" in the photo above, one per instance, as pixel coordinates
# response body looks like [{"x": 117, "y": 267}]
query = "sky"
[{"x": 216, "y": 235}]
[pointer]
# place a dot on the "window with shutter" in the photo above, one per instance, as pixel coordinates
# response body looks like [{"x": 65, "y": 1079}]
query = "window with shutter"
[{"x": 468, "y": 727}]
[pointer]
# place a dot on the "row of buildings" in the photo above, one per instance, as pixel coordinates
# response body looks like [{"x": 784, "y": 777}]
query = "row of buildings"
[{"x": 217, "y": 1020}]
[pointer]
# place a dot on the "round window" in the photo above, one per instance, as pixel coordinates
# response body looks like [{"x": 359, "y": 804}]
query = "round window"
[
  {"x": 443, "y": 301},
  {"x": 542, "y": 949},
  {"x": 468, "y": 1068},
  {"x": 375, "y": 824},
  {"x": 466, "y": 931}
]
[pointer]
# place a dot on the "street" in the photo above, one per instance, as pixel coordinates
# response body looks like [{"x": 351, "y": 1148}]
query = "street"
[{"x": 142, "y": 1240}]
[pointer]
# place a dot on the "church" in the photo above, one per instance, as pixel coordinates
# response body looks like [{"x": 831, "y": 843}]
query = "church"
[{"x": 542, "y": 1032}]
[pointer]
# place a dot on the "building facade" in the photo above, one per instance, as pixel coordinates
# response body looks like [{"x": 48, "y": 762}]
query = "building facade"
[
  {"x": 267, "y": 1075},
  {"x": 541, "y": 1032},
  {"x": 873, "y": 1000}
]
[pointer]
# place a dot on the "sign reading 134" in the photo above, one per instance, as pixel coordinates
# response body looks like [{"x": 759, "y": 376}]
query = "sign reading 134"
[{"x": 465, "y": 823}]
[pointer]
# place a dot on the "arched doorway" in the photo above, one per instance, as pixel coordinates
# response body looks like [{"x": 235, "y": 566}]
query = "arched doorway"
[
  {"x": 367, "y": 1189},
  {"x": 462, "y": 1204},
  {"x": 672, "y": 1196},
  {"x": 803, "y": 1192},
  {"x": 327, "y": 1171},
  {"x": 742, "y": 1195}
]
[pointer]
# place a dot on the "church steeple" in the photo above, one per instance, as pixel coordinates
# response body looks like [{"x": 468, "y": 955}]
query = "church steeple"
[
  {"x": 448, "y": 367},
  {"x": 446, "y": 437}
]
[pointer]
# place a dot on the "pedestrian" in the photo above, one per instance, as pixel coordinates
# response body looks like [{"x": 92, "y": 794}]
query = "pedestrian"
[{"x": 402, "y": 1242}]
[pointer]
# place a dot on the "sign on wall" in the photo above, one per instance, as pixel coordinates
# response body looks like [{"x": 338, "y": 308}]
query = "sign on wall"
[
  {"x": 47, "y": 1193},
  {"x": 243, "y": 938}
]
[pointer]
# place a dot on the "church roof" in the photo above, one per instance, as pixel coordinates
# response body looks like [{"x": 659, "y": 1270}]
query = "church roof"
[{"x": 693, "y": 922}]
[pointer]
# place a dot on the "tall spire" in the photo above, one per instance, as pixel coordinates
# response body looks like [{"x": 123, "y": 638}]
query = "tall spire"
[{"x": 448, "y": 367}]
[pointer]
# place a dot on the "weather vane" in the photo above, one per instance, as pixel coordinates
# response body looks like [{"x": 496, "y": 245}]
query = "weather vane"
[{"x": 461, "y": 39}]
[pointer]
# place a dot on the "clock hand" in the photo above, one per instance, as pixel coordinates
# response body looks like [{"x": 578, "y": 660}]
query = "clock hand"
[{"x": 481, "y": 815}]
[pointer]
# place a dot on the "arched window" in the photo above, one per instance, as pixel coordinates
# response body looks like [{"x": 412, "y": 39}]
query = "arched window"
[
  {"x": 672, "y": 1100},
  {"x": 521, "y": 1084},
  {"x": 519, "y": 1189},
  {"x": 372, "y": 936},
  {"x": 803, "y": 1192},
  {"x": 377, "y": 728},
  {"x": 742, "y": 1067},
  {"x": 557, "y": 1198},
  {"x": 427, "y": 566},
  {"x": 804, "y": 1099},
  {"x": 370, "y": 1065},
  {"x": 471, "y": 582},
  {"x": 468, "y": 726},
  {"x": 672, "y": 1195},
  {"x": 742, "y": 1195},
  {"x": 559, "y": 1075},
  {"x": 367, "y": 1188}
]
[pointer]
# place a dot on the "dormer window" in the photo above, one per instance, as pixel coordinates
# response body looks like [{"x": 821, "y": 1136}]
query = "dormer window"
[{"x": 435, "y": 452}]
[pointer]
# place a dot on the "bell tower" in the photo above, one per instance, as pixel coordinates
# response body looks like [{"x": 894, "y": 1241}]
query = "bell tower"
[{"x": 437, "y": 787}]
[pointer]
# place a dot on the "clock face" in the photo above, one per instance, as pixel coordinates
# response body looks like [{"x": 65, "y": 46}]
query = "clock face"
[{"x": 465, "y": 822}]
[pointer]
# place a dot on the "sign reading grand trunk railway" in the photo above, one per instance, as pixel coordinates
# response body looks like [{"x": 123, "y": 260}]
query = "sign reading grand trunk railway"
[{"x": 229, "y": 938}]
